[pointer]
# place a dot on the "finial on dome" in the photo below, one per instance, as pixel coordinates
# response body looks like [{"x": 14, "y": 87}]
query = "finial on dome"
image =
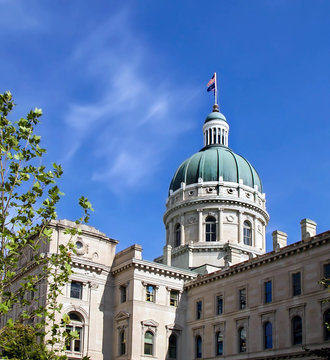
[{"x": 216, "y": 108}]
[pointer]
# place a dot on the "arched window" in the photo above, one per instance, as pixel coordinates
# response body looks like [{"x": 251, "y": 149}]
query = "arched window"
[
  {"x": 242, "y": 339},
  {"x": 76, "y": 324},
  {"x": 326, "y": 324},
  {"x": 268, "y": 335},
  {"x": 296, "y": 324},
  {"x": 210, "y": 229},
  {"x": 247, "y": 231},
  {"x": 148, "y": 343},
  {"x": 177, "y": 235},
  {"x": 218, "y": 343},
  {"x": 172, "y": 347},
  {"x": 122, "y": 343},
  {"x": 198, "y": 341}
]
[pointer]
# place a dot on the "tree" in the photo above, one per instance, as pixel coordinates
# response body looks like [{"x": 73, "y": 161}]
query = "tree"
[{"x": 28, "y": 199}]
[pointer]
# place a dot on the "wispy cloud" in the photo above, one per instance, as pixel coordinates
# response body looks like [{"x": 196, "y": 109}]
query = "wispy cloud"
[{"x": 137, "y": 117}]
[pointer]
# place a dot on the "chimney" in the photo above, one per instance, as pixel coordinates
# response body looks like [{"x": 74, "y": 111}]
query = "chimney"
[
  {"x": 279, "y": 239},
  {"x": 308, "y": 228}
]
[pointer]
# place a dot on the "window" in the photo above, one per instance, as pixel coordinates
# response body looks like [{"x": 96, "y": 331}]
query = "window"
[
  {"x": 172, "y": 347},
  {"x": 198, "y": 343},
  {"x": 199, "y": 305},
  {"x": 148, "y": 343},
  {"x": 76, "y": 290},
  {"x": 296, "y": 325},
  {"x": 150, "y": 293},
  {"x": 326, "y": 324},
  {"x": 210, "y": 229},
  {"x": 122, "y": 343},
  {"x": 218, "y": 343},
  {"x": 242, "y": 299},
  {"x": 123, "y": 293},
  {"x": 76, "y": 324},
  {"x": 242, "y": 339},
  {"x": 219, "y": 305},
  {"x": 174, "y": 298},
  {"x": 268, "y": 335},
  {"x": 296, "y": 284},
  {"x": 247, "y": 233},
  {"x": 177, "y": 235},
  {"x": 268, "y": 291}
]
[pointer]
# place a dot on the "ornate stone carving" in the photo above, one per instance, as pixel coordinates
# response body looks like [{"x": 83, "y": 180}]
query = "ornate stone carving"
[
  {"x": 192, "y": 219},
  {"x": 230, "y": 218},
  {"x": 93, "y": 285}
]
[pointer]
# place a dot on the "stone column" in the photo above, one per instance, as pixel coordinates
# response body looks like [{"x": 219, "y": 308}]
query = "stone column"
[
  {"x": 170, "y": 238},
  {"x": 255, "y": 233},
  {"x": 200, "y": 225},
  {"x": 182, "y": 240},
  {"x": 220, "y": 235},
  {"x": 240, "y": 227}
]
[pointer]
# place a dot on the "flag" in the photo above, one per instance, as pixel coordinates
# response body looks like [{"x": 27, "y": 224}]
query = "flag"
[{"x": 211, "y": 83}]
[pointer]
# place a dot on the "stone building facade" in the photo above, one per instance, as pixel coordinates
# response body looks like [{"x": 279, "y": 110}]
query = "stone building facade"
[{"x": 214, "y": 293}]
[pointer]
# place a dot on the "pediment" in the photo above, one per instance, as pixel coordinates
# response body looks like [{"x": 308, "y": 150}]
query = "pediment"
[
  {"x": 122, "y": 315},
  {"x": 149, "y": 322}
]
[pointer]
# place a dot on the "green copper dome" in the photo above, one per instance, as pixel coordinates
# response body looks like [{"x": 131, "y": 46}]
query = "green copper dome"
[
  {"x": 215, "y": 115},
  {"x": 214, "y": 161}
]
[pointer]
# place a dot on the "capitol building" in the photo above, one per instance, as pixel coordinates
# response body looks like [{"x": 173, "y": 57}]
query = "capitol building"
[{"x": 214, "y": 292}]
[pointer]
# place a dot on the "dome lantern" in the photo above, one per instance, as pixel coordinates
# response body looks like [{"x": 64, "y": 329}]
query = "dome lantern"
[{"x": 215, "y": 128}]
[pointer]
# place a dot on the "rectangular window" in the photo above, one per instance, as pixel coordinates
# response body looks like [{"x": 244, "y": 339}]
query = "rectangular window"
[
  {"x": 242, "y": 299},
  {"x": 123, "y": 293},
  {"x": 174, "y": 298},
  {"x": 150, "y": 293},
  {"x": 296, "y": 284},
  {"x": 199, "y": 306},
  {"x": 268, "y": 291},
  {"x": 76, "y": 290},
  {"x": 219, "y": 305}
]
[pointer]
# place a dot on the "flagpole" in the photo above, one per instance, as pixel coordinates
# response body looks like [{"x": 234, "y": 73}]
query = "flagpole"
[{"x": 215, "y": 89}]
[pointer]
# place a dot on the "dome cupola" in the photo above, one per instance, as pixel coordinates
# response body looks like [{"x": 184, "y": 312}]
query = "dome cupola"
[{"x": 216, "y": 128}]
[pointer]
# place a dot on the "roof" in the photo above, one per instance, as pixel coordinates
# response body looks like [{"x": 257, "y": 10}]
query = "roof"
[
  {"x": 315, "y": 241},
  {"x": 213, "y": 162}
]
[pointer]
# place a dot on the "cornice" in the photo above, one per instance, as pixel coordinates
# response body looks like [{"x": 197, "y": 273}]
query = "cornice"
[
  {"x": 290, "y": 250},
  {"x": 219, "y": 202},
  {"x": 213, "y": 247},
  {"x": 155, "y": 268},
  {"x": 58, "y": 224},
  {"x": 89, "y": 265}
]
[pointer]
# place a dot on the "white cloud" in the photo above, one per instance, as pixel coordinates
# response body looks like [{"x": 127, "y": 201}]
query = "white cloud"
[{"x": 137, "y": 118}]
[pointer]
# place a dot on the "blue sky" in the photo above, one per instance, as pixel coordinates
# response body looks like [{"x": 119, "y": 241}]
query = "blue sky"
[{"x": 123, "y": 88}]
